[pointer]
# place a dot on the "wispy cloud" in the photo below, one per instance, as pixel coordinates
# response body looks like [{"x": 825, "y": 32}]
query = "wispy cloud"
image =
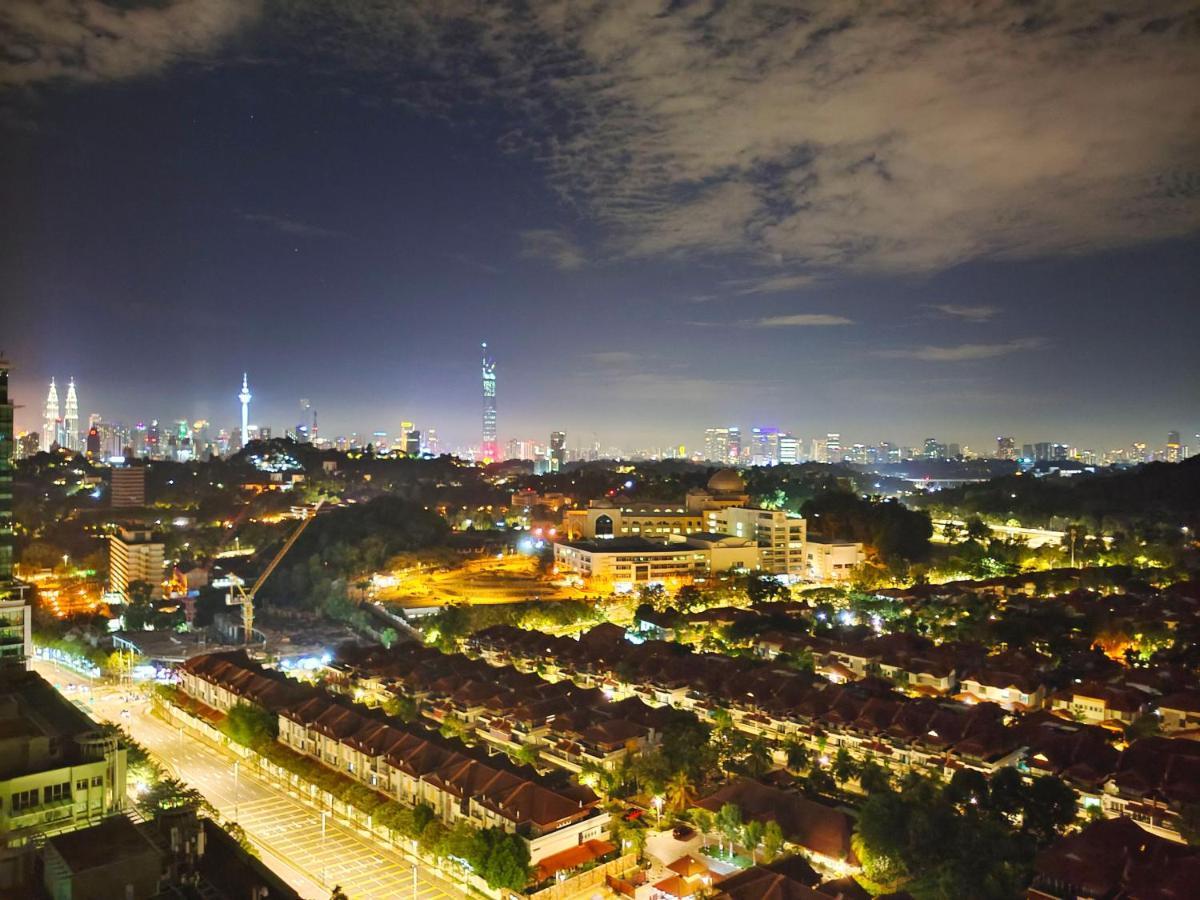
[
  {"x": 877, "y": 137},
  {"x": 802, "y": 320},
  {"x": 968, "y": 313},
  {"x": 967, "y": 352},
  {"x": 291, "y": 226},
  {"x": 554, "y": 246},
  {"x": 773, "y": 284},
  {"x": 94, "y": 40}
]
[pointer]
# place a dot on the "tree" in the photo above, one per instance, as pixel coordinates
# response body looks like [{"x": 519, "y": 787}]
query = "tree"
[
  {"x": 729, "y": 822},
  {"x": 388, "y": 637},
  {"x": 1049, "y": 808},
  {"x": 705, "y": 822},
  {"x": 250, "y": 725},
  {"x": 688, "y": 598},
  {"x": 338, "y": 894},
  {"x": 977, "y": 530},
  {"x": 772, "y": 840},
  {"x": 757, "y": 759},
  {"x": 796, "y": 754},
  {"x": 844, "y": 766},
  {"x": 968, "y": 787},
  {"x": 1007, "y": 792},
  {"x": 752, "y": 833},
  {"x": 873, "y": 777},
  {"x": 505, "y": 859},
  {"x": 680, "y": 791}
]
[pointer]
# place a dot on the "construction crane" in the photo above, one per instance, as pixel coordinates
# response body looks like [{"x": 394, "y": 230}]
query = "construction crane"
[{"x": 245, "y": 599}]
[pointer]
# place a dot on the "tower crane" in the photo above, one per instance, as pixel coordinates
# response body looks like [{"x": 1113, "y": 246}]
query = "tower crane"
[{"x": 245, "y": 599}]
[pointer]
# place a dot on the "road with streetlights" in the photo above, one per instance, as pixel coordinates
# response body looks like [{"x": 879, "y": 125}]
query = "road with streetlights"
[{"x": 309, "y": 850}]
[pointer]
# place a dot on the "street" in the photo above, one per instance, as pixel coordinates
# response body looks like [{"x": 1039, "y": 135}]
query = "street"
[{"x": 289, "y": 834}]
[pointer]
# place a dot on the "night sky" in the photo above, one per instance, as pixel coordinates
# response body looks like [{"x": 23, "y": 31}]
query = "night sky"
[{"x": 661, "y": 216}]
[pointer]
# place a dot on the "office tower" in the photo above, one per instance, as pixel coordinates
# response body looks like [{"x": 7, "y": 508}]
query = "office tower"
[
  {"x": 716, "y": 444},
  {"x": 412, "y": 442},
  {"x": 953, "y": 451},
  {"x": 431, "y": 441},
  {"x": 1174, "y": 448},
  {"x": 764, "y": 446},
  {"x": 833, "y": 447},
  {"x": 789, "y": 450},
  {"x": 405, "y": 428},
  {"x": 28, "y": 444},
  {"x": 558, "y": 450},
  {"x": 1006, "y": 448},
  {"x": 6, "y": 481},
  {"x": 733, "y": 452},
  {"x": 819, "y": 453},
  {"x": 489, "y": 450},
  {"x": 51, "y": 422},
  {"x": 71, "y": 418},
  {"x": 153, "y": 439},
  {"x": 244, "y": 398},
  {"x": 127, "y": 489},
  {"x": 92, "y": 443},
  {"x": 137, "y": 440},
  {"x": 134, "y": 555}
]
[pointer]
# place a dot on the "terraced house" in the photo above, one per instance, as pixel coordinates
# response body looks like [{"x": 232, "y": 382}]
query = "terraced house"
[{"x": 405, "y": 762}]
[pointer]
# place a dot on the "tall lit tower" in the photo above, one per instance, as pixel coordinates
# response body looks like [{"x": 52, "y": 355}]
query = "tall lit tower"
[
  {"x": 6, "y": 481},
  {"x": 71, "y": 417},
  {"x": 244, "y": 399},
  {"x": 489, "y": 450},
  {"x": 50, "y": 421}
]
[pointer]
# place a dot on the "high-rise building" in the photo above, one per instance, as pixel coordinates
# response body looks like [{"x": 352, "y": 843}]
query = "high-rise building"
[
  {"x": 558, "y": 450},
  {"x": 412, "y": 442},
  {"x": 1174, "y": 447},
  {"x": 71, "y": 418},
  {"x": 6, "y": 481},
  {"x": 833, "y": 447},
  {"x": 128, "y": 487},
  {"x": 716, "y": 445},
  {"x": 789, "y": 450},
  {"x": 431, "y": 441},
  {"x": 244, "y": 397},
  {"x": 134, "y": 555},
  {"x": 1006, "y": 448},
  {"x": 51, "y": 421},
  {"x": 489, "y": 449},
  {"x": 28, "y": 444},
  {"x": 764, "y": 446}
]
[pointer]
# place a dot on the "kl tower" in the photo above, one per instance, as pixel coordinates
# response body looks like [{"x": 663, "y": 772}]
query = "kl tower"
[{"x": 244, "y": 397}]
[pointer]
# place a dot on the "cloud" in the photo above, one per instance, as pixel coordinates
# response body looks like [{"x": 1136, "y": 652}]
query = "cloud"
[
  {"x": 773, "y": 284},
  {"x": 885, "y": 137},
  {"x": 91, "y": 40},
  {"x": 969, "y": 313},
  {"x": 967, "y": 352},
  {"x": 290, "y": 226},
  {"x": 548, "y": 244},
  {"x": 802, "y": 320}
]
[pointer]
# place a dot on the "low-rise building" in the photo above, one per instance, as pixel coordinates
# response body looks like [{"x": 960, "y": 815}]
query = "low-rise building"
[
  {"x": 1100, "y": 704},
  {"x": 829, "y": 560},
  {"x": 638, "y": 561},
  {"x": 58, "y": 771}
]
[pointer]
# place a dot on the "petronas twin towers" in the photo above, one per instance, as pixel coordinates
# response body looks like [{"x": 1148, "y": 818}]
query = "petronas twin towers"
[{"x": 62, "y": 429}]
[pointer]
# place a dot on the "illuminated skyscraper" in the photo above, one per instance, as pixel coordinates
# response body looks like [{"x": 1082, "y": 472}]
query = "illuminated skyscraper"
[
  {"x": 6, "y": 480},
  {"x": 558, "y": 450},
  {"x": 244, "y": 399},
  {"x": 1174, "y": 448},
  {"x": 489, "y": 450},
  {"x": 50, "y": 423},
  {"x": 71, "y": 418}
]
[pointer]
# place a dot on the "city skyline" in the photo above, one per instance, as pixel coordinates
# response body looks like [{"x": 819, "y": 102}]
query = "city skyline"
[{"x": 979, "y": 253}]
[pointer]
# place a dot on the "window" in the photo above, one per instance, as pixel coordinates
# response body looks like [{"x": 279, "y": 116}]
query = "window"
[
  {"x": 24, "y": 799},
  {"x": 97, "y": 780},
  {"x": 53, "y": 792},
  {"x": 81, "y": 784}
]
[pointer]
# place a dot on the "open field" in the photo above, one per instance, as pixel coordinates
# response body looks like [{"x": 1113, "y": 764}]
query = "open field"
[{"x": 507, "y": 579}]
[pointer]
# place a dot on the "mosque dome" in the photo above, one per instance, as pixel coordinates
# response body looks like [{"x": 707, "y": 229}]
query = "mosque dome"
[{"x": 727, "y": 481}]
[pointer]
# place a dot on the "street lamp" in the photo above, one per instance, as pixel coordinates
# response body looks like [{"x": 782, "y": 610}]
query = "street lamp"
[
  {"x": 323, "y": 857},
  {"x": 658, "y": 805}
]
